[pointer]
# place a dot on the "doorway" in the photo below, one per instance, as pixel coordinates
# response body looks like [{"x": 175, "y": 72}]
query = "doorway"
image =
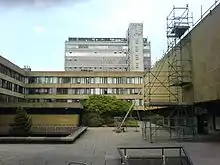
[{"x": 202, "y": 124}]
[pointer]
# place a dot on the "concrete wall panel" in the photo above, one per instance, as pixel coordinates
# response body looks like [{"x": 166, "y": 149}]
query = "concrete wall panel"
[
  {"x": 50, "y": 120},
  {"x": 206, "y": 57}
]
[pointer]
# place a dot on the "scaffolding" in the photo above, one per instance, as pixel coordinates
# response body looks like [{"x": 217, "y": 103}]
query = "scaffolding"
[
  {"x": 179, "y": 66},
  {"x": 164, "y": 83}
]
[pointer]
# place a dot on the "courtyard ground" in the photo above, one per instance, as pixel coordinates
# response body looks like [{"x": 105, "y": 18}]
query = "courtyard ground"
[{"x": 98, "y": 146}]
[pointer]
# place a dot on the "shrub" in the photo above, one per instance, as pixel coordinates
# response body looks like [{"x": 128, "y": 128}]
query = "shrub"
[
  {"x": 92, "y": 120},
  {"x": 22, "y": 123}
]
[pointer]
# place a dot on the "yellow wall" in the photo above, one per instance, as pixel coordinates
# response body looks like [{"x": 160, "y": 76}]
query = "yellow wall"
[{"x": 72, "y": 120}]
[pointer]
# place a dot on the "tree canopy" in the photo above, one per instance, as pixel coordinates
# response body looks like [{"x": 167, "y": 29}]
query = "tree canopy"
[{"x": 106, "y": 104}]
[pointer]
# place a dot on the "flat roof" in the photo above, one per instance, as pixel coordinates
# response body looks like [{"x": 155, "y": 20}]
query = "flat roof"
[
  {"x": 86, "y": 73},
  {"x": 98, "y": 39}
]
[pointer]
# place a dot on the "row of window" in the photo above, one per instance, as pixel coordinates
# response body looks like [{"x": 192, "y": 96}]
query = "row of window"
[
  {"x": 5, "y": 70},
  {"x": 137, "y": 102},
  {"x": 9, "y": 99},
  {"x": 87, "y": 91},
  {"x": 72, "y": 80},
  {"x": 11, "y": 86},
  {"x": 86, "y": 80},
  {"x": 95, "y": 52},
  {"x": 54, "y": 100},
  {"x": 93, "y": 68}
]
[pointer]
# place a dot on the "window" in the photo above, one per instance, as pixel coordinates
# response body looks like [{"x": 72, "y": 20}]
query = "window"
[
  {"x": 55, "y": 80},
  {"x": 32, "y": 80},
  {"x": 83, "y": 46},
  {"x": 11, "y": 73},
  {"x": 48, "y": 80},
  {"x": 41, "y": 80},
  {"x": 62, "y": 91},
  {"x": 66, "y": 80}
]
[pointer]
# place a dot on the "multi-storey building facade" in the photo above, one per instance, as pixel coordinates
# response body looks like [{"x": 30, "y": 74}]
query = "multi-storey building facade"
[
  {"x": 109, "y": 54},
  {"x": 69, "y": 87},
  {"x": 54, "y": 98},
  {"x": 95, "y": 54},
  {"x": 12, "y": 80}
]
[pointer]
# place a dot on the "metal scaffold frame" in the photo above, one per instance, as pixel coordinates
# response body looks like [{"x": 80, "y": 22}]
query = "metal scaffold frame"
[
  {"x": 172, "y": 78},
  {"x": 177, "y": 76}
]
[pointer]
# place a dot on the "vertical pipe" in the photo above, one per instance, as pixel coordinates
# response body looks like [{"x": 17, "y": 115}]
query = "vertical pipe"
[
  {"x": 169, "y": 125},
  {"x": 192, "y": 19},
  {"x": 163, "y": 156},
  {"x": 201, "y": 12},
  {"x": 149, "y": 96}
]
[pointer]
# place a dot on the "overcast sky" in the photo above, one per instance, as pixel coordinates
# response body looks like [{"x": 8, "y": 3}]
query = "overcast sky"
[{"x": 33, "y": 32}]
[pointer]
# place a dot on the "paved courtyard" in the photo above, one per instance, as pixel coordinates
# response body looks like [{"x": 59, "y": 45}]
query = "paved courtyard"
[{"x": 97, "y": 146}]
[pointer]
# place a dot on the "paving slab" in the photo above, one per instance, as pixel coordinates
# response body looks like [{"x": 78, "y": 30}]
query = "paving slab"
[{"x": 98, "y": 146}]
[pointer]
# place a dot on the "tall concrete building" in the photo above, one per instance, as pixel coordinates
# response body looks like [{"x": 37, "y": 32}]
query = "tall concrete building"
[
  {"x": 96, "y": 54},
  {"x": 109, "y": 54},
  {"x": 135, "y": 57}
]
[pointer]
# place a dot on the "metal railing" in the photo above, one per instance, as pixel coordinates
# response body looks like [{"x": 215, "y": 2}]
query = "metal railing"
[
  {"x": 156, "y": 128},
  {"x": 53, "y": 128},
  {"x": 44, "y": 128},
  {"x": 77, "y": 163},
  {"x": 124, "y": 157},
  {"x": 203, "y": 15},
  {"x": 46, "y": 162}
]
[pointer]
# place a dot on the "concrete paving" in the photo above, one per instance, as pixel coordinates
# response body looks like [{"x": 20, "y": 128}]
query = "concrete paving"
[{"x": 97, "y": 146}]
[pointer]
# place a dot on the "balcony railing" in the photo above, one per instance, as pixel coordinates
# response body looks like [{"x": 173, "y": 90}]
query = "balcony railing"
[{"x": 157, "y": 155}]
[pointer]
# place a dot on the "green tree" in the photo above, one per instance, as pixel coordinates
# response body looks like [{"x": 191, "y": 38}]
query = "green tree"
[
  {"x": 102, "y": 104},
  {"x": 22, "y": 123},
  {"x": 101, "y": 110}
]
